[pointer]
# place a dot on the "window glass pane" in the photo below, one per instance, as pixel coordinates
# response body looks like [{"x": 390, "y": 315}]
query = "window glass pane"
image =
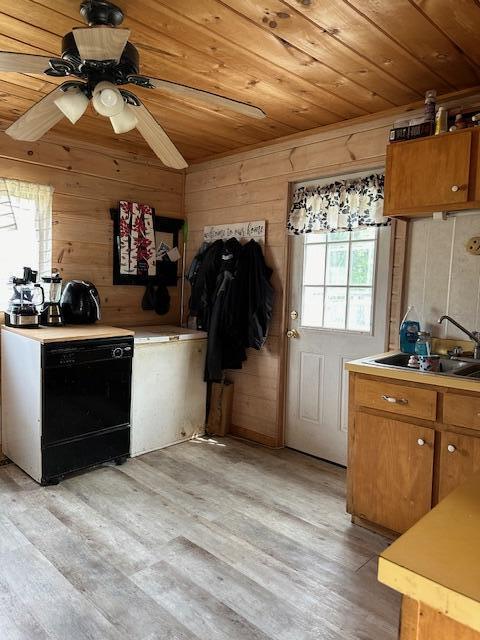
[
  {"x": 339, "y": 236},
  {"x": 314, "y": 268},
  {"x": 335, "y": 307},
  {"x": 18, "y": 248},
  {"x": 315, "y": 237},
  {"x": 337, "y": 264},
  {"x": 369, "y": 233},
  {"x": 359, "y": 309},
  {"x": 361, "y": 263},
  {"x": 312, "y": 307}
]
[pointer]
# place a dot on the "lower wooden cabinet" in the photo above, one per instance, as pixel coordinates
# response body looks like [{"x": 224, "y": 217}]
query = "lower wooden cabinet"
[
  {"x": 410, "y": 445},
  {"x": 459, "y": 458},
  {"x": 391, "y": 471},
  {"x": 420, "y": 622}
]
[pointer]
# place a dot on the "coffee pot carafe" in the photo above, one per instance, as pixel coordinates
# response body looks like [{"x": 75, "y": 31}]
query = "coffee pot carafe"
[
  {"x": 28, "y": 295},
  {"x": 51, "y": 314}
]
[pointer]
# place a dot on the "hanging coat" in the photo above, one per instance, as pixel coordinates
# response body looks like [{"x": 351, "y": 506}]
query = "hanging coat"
[
  {"x": 250, "y": 304},
  {"x": 218, "y": 338},
  {"x": 205, "y": 282},
  {"x": 232, "y": 299}
]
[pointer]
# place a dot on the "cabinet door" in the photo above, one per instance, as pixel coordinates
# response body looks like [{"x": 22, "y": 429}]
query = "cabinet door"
[
  {"x": 428, "y": 173},
  {"x": 459, "y": 458},
  {"x": 392, "y": 466}
]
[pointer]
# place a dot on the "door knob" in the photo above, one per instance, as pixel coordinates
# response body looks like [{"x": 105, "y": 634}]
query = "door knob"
[
  {"x": 451, "y": 448},
  {"x": 455, "y": 188},
  {"x": 420, "y": 442},
  {"x": 293, "y": 333}
]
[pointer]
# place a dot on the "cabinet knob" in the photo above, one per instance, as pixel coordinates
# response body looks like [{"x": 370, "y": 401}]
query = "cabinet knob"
[
  {"x": 451, "y": 448},
  {"x": 420, "y": 442},
  {"x": 394, "y": 400},
  {"x": 455, "y": 188}
]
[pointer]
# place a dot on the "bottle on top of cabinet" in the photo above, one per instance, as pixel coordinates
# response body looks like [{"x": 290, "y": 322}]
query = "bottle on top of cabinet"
[
  {"x": 441, "y": 121},
  {"x": 430, "y": 106}
]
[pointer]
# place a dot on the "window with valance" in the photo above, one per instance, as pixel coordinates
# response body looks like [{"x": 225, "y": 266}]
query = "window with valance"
[{"x": 343, "y": 205}]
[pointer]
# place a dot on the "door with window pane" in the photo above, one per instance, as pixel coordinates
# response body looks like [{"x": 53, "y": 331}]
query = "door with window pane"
[{"x": 338, "y": 299}]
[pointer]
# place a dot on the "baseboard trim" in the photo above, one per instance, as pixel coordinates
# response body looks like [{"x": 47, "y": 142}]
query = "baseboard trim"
[{"x": 253, "y": 436}]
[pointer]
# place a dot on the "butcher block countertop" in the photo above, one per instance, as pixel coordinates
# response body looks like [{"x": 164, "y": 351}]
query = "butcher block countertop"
[
  {"x": 437, "y": 561},
  {"x": 366, "y": 366},
  {"x": 77, "y": 332}
]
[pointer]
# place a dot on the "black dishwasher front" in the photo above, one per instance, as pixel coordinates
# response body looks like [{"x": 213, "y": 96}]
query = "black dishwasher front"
[{"x": 86, "y": 404}]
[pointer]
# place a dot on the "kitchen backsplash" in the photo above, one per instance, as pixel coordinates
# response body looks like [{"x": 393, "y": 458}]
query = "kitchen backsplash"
[{"x": 441, "y": 276}]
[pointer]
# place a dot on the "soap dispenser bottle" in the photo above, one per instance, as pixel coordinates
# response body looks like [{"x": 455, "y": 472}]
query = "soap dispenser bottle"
[{"x": 409, "y": 331}]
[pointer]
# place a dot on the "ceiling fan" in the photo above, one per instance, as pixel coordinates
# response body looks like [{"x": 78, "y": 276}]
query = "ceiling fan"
[{"x": 100, "y": 60}]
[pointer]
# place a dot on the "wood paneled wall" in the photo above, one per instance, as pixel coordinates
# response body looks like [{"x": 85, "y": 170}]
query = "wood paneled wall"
[
  {"x": 87, "y": 181},
  {"x": 255, "y": 185}
]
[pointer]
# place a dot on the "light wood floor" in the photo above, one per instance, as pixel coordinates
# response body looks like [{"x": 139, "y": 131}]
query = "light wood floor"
[{"x": 202, "y": 541}]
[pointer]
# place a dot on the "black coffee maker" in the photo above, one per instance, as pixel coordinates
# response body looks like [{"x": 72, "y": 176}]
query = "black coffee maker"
[{"x": 23, "y": 307}]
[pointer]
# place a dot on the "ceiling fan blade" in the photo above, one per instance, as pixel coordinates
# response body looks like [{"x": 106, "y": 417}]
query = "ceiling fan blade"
[
  {"x": 234, "y": 105},
  {"x": 38, "y": 119},
  {"x": 23, "y": 62},
  {"x": 101, "y": 43},
  {"x": 156, "y": 138}
]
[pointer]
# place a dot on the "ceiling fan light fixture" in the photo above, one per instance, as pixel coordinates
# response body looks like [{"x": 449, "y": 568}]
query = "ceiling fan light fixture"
[
  {"x": 73, "y": 104},
  {"x": 124, "y": 121},
  {"x": 107, "y": 100}
]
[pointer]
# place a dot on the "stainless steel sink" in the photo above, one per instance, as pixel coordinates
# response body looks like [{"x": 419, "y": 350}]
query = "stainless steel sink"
[
  {"x": 469, "y": 371},
  {"x": 447, "y": 365}
]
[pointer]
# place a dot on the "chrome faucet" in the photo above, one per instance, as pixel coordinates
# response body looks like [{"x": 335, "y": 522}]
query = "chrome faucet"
[{"x": 473, "y": 335}]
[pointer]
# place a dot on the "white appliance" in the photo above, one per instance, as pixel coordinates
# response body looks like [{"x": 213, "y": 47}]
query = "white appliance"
[{"x": 168, "y": 391}]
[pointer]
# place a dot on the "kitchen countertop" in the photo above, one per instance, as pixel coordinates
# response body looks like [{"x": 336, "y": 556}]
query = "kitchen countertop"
[
  {"x": 364, "y": 365},
  {"x": 437, "y": 561},
  {"x": 72, "y": 332},
  {"x": 165, "y": 333}
]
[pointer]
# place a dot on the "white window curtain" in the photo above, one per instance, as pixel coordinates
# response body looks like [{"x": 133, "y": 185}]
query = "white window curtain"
[
  {"x": 340, "y": 206},
  {"x": 7, "y": 216},
  {"x": 25, "y": 231}
]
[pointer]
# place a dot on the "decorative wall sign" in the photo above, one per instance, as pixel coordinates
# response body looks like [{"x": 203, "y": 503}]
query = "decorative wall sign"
[{"x": 239, "y": 230}]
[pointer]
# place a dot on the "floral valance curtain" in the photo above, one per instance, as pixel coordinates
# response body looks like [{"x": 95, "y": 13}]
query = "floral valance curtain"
[{"x": 340, "y": 206}]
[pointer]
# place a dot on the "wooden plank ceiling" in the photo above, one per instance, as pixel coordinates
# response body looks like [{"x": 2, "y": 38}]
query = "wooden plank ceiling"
[{"x": 306, "y": 63}]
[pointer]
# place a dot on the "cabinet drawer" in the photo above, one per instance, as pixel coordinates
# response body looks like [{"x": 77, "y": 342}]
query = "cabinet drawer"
[
  {"x": 397, "y": 398},
  {"x": 462, "y": 411}
]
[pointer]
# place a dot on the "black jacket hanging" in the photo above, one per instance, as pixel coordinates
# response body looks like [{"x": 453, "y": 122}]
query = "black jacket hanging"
[{"x": 232, "y": 299}]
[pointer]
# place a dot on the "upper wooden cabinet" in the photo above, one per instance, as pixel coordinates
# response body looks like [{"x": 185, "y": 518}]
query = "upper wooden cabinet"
[{"x": 438, "y": 173}]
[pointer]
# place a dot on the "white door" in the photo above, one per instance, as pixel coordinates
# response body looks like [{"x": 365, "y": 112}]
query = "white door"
[{"x": 339, "y": 288}]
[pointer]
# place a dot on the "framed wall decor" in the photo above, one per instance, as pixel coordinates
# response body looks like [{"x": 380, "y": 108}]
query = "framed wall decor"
[{"x": 145, "y": 246}]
